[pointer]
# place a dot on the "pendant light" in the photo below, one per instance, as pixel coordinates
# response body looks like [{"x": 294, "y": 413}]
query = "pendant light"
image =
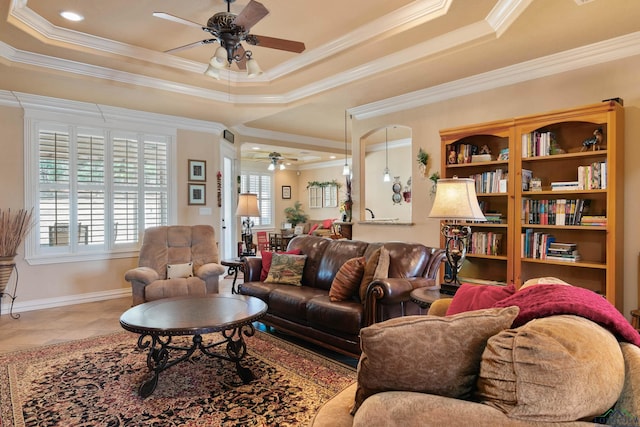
[
  {"x": 387, "y": 177},
  {"x": 345, "y": 169}
]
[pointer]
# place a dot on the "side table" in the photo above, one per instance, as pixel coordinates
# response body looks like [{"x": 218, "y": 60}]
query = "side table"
[
  {"x": 424, "y": 297},
  {"x": 235, "y": 265}
]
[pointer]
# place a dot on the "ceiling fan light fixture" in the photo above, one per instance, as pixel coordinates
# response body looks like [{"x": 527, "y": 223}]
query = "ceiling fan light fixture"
[
  {"x": 253, "y": 69},
  {"x": 282, "y": 167},
  {"x": 212, "y": 72},
  {"x": 272, "y": 166},
  {"x": 219, "y": 58}
]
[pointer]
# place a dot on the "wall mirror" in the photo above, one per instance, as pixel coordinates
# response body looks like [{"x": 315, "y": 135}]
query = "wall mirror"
[{"x": 382, "y": 149}]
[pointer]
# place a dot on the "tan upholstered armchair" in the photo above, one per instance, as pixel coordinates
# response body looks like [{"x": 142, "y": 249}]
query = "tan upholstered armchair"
[{"x": 175, "y": 261}]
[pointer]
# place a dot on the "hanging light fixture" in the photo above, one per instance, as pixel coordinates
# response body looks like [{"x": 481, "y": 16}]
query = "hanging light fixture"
[
  {"x": 387, "y": 177},
  {"x": 345, "y": 169}
]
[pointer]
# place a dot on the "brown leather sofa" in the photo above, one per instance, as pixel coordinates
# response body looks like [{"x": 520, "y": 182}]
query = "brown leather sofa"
[{"x": 307, "y": 312}]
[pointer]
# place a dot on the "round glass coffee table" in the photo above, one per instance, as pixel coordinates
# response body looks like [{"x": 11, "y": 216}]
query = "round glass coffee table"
[{"x": 159, "y": 321}]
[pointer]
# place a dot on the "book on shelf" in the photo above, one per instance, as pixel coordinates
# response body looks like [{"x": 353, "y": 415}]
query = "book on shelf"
[
  {"x": 537, "y": 144},
  {"x": 593, "y": 220},
  {"x": 565, "y": 185},
  {"x": 593, "y": 176},
  {"x": 526, "y": 179},
  {"x": 477, "y": 281},
  {"x": 504, "y": 154},
  {"x": 563, "y": 246},
  {"x": 554, "y": 211},
  {"x": 573, "y": 258}
]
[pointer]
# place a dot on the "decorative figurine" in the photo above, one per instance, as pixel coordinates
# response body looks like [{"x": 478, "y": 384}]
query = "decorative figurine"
[
  {"x": 593, "y": 142},
  {"x": 485, "y": 149}
]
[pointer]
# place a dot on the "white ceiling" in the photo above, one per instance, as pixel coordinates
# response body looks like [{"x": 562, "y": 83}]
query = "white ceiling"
[{"x": 359, "y": 54}]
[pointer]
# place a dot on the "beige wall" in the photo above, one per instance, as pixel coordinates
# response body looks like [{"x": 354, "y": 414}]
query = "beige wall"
[
  {"x": 615, "y": 79},
  {"x": 585, "y": 86},
  {"x": 57, "y": 282},
  {"x": 321, "y": 175}
]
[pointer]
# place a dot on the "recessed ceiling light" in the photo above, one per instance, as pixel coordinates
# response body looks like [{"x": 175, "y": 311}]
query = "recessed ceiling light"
[
  {"x": 255, "y": 148},
  {"x": 332, "y": 157},
  {"x": 71, "y": 16}
]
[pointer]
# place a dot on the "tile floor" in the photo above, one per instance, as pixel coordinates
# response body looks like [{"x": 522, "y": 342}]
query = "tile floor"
[{"x": 55, "y": 325}]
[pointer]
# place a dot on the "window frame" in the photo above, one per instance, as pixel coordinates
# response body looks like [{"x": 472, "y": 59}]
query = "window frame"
[
  {"x": 78, "y": 116},
  {"x": 248, "y": 170}
]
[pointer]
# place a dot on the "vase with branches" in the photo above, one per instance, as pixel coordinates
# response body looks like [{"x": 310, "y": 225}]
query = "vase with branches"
[{"x": 14, "y": 226}]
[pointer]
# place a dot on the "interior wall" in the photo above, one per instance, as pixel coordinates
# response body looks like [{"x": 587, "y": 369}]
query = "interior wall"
[
  {"x": 52, "y": 283},
  {"x": 379, "y": 195},
  {"x": 581, "y": 87}
]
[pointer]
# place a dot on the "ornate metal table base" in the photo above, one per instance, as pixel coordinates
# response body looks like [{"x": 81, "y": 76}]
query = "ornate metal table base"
[{"x": 158, "y": 358}]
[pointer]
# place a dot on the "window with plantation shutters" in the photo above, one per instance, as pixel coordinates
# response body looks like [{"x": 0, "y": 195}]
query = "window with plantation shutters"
[
  {"x": 262, "y": 185},
  {"x": 98, "y": 188}
]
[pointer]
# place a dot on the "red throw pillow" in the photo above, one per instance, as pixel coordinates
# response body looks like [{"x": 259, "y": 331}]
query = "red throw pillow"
[
  {"x": 327, "y": 223},
  {"x": 266, "y": 261},
  {"x": 470, "y": 297},
  {"x": 315, "y": 226}
]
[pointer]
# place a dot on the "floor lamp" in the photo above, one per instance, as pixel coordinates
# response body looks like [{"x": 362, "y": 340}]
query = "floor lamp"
[
  {"x": 455, "y": 201},
  {"x": 248, "y": 207}
]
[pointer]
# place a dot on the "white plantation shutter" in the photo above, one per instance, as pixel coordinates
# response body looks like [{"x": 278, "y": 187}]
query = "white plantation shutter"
[
  {"x": 262, "y": 185},
  {"x": 98, "y": 189}
]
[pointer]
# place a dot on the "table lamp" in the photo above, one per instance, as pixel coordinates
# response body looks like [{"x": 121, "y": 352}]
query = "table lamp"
[
  {"x": 455, "y": 201},
  {"x": 247, "y": 206}
]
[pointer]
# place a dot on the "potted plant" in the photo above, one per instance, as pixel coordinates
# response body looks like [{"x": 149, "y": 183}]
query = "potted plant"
[
  {"x": 14, "y": 226},
  {"x": 423, "y": 159},
  {"x": 295, "y": 214}
]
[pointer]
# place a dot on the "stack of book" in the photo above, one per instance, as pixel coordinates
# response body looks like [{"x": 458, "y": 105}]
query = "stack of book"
[
  {"x": 493, "y": 217},
  {"x": 566, "y": 252},
  {"x": 594, "y": 220},
  {"x": 566, "y": 185}
]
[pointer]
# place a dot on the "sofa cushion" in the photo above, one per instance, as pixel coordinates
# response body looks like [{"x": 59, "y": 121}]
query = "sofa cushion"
[
  {"x": 178, "y": 271},
  {"x": 347, "y": 281},
  {"x": 470, "y": 297},
  {"x": 429, "y": 354},
  {"x": 290, "y": 302},
  {"x": 553, "y": 369},
  {"x": 344, "y": 317},
  {"x": 267, "y": 257},
  {"x": 377, "y": 267},
  {"x": 286, "y": 269}
]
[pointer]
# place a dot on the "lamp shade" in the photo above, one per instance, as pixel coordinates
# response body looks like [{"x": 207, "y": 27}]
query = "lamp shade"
[
  {"x": 248, "y": 205},
  {"x": 456, "y": 200}
]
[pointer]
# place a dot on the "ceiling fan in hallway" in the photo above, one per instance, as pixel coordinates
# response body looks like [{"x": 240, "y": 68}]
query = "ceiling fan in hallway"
[{"x": 230, "y": 31}]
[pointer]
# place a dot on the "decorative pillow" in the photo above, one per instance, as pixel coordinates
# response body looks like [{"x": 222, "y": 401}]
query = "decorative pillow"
[
  {"x": 543, "y": 281},
  {"x": 347, "y": 280},
  {"x": 369, "y": 270},
  {"x": 327, "y": 223},
  {"x": 266, "y": 261},
  {"x": 553, "y": 369},
  {"x": 314, "y": 228},
  {"x": 178, "y": 271},
  {"x": 286, "y": 269},
  {"x": 382, "y": 269},
  {"x": 428, "y": 354},
  {"x": 470, "y": 297}
]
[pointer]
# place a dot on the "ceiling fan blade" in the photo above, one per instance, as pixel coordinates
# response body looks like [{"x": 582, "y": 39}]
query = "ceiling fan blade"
[
  {"x": 189, "y": 46},
  {"x": 275, "y": 43},
  {"x": 242, "y": 64},
  {"x": 251, "y": 14},
  {"x": 177, "y": 19}
]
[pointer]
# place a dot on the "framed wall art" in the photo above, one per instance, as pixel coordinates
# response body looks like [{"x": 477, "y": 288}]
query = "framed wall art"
[
  {"x": 286, "y": 191},
  {"x": 197, "y": 194},
  {"x": 197, "y": 170}
]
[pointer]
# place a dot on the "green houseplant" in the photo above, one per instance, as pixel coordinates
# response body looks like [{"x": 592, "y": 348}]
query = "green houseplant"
[{"x": 295, "y": 214}]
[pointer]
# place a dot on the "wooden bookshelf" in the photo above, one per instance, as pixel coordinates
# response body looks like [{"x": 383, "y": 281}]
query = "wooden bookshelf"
[{"x": 600, "y": 267}]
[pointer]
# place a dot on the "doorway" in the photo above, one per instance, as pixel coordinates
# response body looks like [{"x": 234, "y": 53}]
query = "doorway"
[{"x": 228, "y": 248}]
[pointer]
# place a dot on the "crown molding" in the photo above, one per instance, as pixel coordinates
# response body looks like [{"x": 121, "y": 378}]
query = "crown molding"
[
  {"x": 411, "y": 15},
  {"x": 245, "y": 133},
  {"x": 573, "y": 59},
  {"x": 38, "y": 104}
]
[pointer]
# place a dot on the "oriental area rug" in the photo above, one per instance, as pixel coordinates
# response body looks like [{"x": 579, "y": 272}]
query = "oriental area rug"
[{"x": 94, "y": 382}]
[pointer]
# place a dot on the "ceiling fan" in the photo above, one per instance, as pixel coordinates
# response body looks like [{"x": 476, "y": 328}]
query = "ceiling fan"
[
  {"x": 230, "y": 30},
  {"x": 277, "y": 160}
]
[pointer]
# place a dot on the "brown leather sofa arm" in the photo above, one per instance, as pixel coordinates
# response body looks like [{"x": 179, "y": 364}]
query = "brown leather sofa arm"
[
  {"x": 385, "y": 292},
  {"x": 437, "y": 257},
  {"x": 252, "y": 269}
]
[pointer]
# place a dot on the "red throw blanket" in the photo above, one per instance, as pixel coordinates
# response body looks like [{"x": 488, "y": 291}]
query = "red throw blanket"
[{"x": 548, "y": 300}]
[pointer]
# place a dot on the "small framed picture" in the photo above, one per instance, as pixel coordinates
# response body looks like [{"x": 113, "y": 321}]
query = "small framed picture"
[
  {"x": 286, "y": 191},
  {"x": 197, "y": 170},
  {"x": 197, "y": 194}
]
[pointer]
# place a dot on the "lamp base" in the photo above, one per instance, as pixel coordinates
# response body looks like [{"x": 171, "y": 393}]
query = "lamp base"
[{"x": 448, "y": 288}]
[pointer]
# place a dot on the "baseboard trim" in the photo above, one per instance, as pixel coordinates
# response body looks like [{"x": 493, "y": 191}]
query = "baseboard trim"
[{"x": 41, "y": 304}]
